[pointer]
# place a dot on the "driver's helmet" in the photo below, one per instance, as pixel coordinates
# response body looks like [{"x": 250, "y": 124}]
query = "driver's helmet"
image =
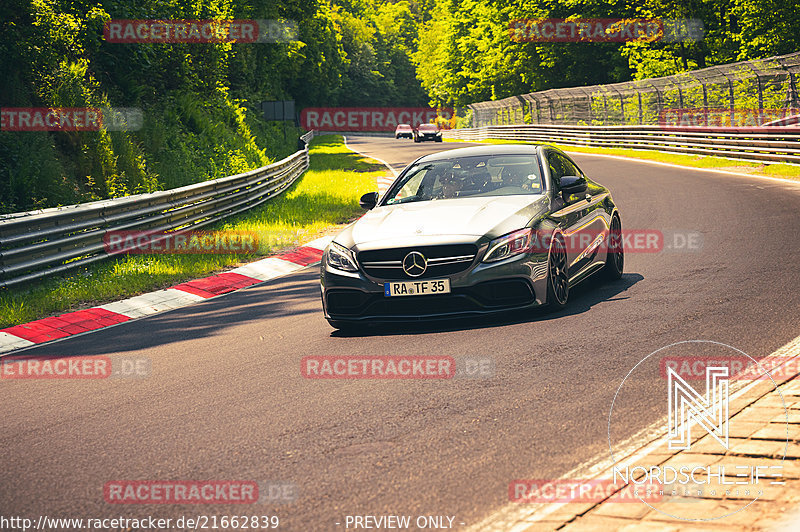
[
  {"x": 474, "y": 174},
  {"x": 452, "y": 181}
]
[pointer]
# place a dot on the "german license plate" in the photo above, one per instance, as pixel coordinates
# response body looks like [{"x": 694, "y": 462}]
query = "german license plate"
[{"x": 417, "y": 288}]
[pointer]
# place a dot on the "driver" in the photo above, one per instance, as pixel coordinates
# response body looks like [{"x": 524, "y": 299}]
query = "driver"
[{"x": 452, "y": 184}]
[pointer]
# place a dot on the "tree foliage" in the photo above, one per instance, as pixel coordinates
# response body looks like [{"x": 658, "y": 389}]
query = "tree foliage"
[
  {"x": 465, "y": 53},
  {"x": 200, "y": 100}
]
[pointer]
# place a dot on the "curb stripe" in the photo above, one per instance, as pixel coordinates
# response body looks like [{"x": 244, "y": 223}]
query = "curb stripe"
[
  {"x": 217, "y": 284},
  {"x": 82, "y": 321},
  {"x": 10, "y": 342},
  {"x": 267, "y": 269},
  {"x": 152, "y": 303},
  {"x": 304, "y": 256},
  {"x": 64, "y": 325}
]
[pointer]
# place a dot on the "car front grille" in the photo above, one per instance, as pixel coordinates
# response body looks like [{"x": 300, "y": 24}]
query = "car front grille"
[
  {"x": 501, "y": 294},
  {"x": 442, "y": 261}
]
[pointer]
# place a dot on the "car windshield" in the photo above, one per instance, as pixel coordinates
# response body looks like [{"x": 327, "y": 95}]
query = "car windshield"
[
  {"x": 495, "y": 175},
  {"x": 428, "y": 127}
]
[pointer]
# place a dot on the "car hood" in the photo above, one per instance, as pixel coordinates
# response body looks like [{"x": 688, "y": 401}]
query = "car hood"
[{"x": 468, "y": 219}]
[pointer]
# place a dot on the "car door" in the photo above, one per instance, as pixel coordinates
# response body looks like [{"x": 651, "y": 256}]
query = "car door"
[{"x": 582, "y": 218}]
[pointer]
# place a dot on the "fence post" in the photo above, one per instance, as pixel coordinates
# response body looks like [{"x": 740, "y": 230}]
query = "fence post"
[
  {"x": 641, "y": 115},
  {"x": 792, "y": 100},
  {"x": 731, "y": 101}
]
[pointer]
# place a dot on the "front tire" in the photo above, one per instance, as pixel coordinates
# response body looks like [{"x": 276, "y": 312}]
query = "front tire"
[
  {"x": 615, "y": 257},
  {"x": 557, "y": 276}
]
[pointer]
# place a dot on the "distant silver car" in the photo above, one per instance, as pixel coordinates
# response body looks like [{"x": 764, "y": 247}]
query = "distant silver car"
[{"x": 472, "y": 231}]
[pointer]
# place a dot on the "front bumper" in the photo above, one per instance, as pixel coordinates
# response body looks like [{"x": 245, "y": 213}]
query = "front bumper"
[{"x": 515, "y": 284}]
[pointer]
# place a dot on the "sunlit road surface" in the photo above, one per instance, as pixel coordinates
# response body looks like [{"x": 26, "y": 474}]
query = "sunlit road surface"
[{"x": 225, "y": 399}]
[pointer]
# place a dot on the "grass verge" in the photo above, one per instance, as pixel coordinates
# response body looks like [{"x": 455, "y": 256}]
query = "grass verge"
[
  {"x": 785, "y": 171},
  {"x": 324, "y": 198}
]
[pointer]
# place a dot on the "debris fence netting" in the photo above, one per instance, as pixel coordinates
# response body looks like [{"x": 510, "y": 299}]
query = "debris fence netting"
[{"x": 745, "y": 94}]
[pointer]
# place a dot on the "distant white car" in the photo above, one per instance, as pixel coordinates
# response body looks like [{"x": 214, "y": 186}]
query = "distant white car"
[{"x": 404, "y": 130}]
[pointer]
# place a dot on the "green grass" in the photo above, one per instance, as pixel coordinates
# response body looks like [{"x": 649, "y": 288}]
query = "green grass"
[
  {"x": 787, "y": 171},
  {"x": 325, "y": 197}
]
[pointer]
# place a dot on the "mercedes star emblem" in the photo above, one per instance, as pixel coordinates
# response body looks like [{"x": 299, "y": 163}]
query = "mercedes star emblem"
[{"x": 415, "y": 264}]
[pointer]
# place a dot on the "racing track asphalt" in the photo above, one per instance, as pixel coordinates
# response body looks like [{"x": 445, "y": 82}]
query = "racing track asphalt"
[{"x": 226, "y": 400}]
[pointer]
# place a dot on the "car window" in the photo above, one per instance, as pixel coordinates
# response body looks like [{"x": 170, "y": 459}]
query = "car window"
[
  {"x": 413, "y": 186},
  {"x": 560, "y": 166},
  {"x": 556, "y": 167},
  {"x": 494, "y": 175},
  {"x": 570, "y": 168}
]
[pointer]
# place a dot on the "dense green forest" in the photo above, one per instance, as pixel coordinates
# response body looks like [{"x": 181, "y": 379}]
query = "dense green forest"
[{"x": 199, "y": 101}]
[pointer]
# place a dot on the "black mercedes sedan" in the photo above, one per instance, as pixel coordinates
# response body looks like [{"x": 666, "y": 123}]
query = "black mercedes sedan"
[{"x": 472, "y": 231}]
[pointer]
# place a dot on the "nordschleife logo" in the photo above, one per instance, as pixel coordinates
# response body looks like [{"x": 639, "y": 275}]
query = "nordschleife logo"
[
  {"x": 698, "y": 444},
  {"x": 686, "y": 405}
]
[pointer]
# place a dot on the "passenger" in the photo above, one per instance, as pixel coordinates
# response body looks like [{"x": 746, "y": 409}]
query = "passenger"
[{"x": 520, "y": 177}]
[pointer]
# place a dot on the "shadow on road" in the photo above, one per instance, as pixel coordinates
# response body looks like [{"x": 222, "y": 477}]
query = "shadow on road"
[
  {"x": 294, "y": 295},
  {"x": 581, "y": 299}
]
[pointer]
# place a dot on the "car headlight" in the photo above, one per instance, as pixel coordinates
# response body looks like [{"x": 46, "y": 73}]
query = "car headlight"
[
  {"x": 341, "y": 258},
  {"x": 509, "y": 245}
]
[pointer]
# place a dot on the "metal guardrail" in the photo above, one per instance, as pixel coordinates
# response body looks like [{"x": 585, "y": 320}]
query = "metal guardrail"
[
  {"x": 41, "y": 243},
  {"x": 766, "y": 144}
]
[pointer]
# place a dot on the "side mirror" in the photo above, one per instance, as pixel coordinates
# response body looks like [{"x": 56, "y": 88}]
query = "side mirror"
[
  {"x": 368, "y": 200},
  {"x": 572, "y": 184}
]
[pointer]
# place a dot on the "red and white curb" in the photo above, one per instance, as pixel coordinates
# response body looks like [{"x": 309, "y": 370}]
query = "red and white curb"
[{"x": 82, "y": 321}]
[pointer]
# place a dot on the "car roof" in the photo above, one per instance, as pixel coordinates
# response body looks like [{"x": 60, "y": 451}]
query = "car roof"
[{"x": 494, "y": 149}]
